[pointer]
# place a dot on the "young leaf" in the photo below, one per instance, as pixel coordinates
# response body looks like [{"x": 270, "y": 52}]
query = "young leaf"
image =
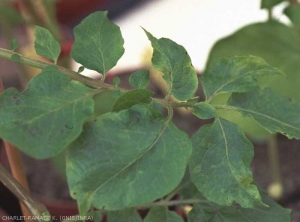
[
  {"x": 116, "y": 81},
  {"x": 132, "y": 98},
  {"x": 13, "y": 44},
  {"x": 211, "y": 212},
  {"x": 15, "y": 58},
  {"x": 174, "y": 62},
  {"x": 47, "y": 116},
  {"x": 140, "y": 79},
  {"x": 127, "y": 158},
  {"x": 162, "y": 214},
  {"x": 124, "y": 215},
  {"x": 220, "y": 164},
  {"x": 98, "y": 43},
  {"x": 236, "y": 74},
  {"x": 270, "y": 3},
  {"x": 204, "y": 110},
  {"x": 272, "y": 111},
  {"x": 45, "y": 44},
  {"x": 292, "y": 11},
  {"x": 80, "y": 69}
]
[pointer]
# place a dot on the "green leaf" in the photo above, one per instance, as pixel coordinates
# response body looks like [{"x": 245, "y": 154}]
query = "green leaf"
[
  {"x": 220, "y": 164},
  {"x": 140, "y": 79},
  {"x": 15, "y": 58},
  {"x": 124, "y": 215},
  {"x": 80, "y": 69},
  {"x": 174, "y": 62},
  {"x": 132, "y": 98},
  {"x": 116, "y": 81},
  {"x": 10, "y": 15},
  {"x": 13, "y": 44},
  {"x": 162, "y": 214},
  {"x": 272, "y": 111},
  {"x": 278, "y": 44},
  {"x": 45, "y": 44},
  {"x": 104, "y": 102},
  {"x": 127, "y": 158},
  {"x": 292, "y": 11},
  {"x": 98, "y": 43},
  {"x": 96, "y": 216},
  {"x": 236, "y": 74},
  {"x": 270, "y": 3},
  {"x": 47, "y": 116},
  {"x": 211, "y": 212},
  {"x": 204, "y": 110}
]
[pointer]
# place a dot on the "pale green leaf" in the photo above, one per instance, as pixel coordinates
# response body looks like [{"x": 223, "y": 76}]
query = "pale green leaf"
[
  {"x": 47, "y": 116},
  {"x": 124, "y": 159},
  {"x": 220, "y": 164},
  {"x": 204, "y": 110},
  {"x": 45, "y": 44},
  {"x": 271, "y": 110},
  {"x": 174, "y": 62},
  {"x": 162, "y": 214},
  {"x": 292, "y": 11},
  {"x": 236, "y": 74},
  {"x": 13, "y": 44},
  {"x": 98, "y": 43},
  {"x": 270, "y": 3},
  {"x": 132, "y": 98},
  {"x": 211, "y": 212},
  {"x": 140, "y": 79},
  {"x": 130, "y": 215}
]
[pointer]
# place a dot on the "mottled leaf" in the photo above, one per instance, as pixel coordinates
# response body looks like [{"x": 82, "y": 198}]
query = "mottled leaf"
[
  {"x": 270, "y": 3},
  {"x": 124, "y": 159},
  {"x": 220, "y": 164},
  {"x": 140, "y": 79},
  {"x": 98, "y": 43},
  {"x": 130, "y": 215},
  {"x": 271, "y": 110},
  {"x": 45, "y": 44},
  {"x": 47, "y": 116},
  {"x": 236, "y": 74},
  {"x": 162, "y": 214},
  {"x": 132, "y": 98},
  {"x": 204, "y": 110},
  {"x": 174, "y": 62},
  {"x": 292, "y": 11},
  {"x": 211, "y": 212}
]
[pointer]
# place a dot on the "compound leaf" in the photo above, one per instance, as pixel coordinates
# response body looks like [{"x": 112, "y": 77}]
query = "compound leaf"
[
  {"x": 162, "y": 214},
  {"x": 174, "y": 62},
  {"x": 45, "y": 44},
  {"x": 211, "y": 212},
  {"x": 271, "y": 110},
  {"x": 124, "y": 215},
  {"x": 98, "y": 43},
  {"x": 236, "y": 74},
  {"x": 132, "y": 98},
  {"x": 140, "y": 79},
  {"x": 126, "y": 158},
  {"x": 47, "y": 116},
  {"x": 220, "y": 164}
]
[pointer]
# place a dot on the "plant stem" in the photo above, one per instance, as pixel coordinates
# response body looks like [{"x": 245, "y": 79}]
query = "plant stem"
[
  {"x": 270, "y": 14},
  {"x": 171, "y": 203},
  {"x": 37, "y": 209}
]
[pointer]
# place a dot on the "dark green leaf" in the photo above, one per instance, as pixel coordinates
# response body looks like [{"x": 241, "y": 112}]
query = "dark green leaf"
[
  {"x": 47, "y": 116},
  {"x": 220, "y": 165},
  {"x": 15, "y": 58},
  {"x": 140, "y": 79},
  {"x": 162, "y": 214},
  {"x": 236, "y": 74},
  {"x": 270, "y": 3},
  {"x": 278, "y": 44},
  {"x": 204, "y": 110},
  {"x": 130, "y": 215},
  {"x": 186, "y": 188},
  {"x": 211, "y": 212},
  {"x": 272, "y": 111},
  {"x": 80, "y": 69},
  {"x": 13, "y": 44},
  {"x": 98, "y": 43},
  {"x": 132, "y": 98},
  {"x": 116, "y": 81},
  {"x": 127, "y": 158},
  {"x": 174, "y": 62},
  {"x": 45, "y": 44},
  {"x": 292, "y": 11}
]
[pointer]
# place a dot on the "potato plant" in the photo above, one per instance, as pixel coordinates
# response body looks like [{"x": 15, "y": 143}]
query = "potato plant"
[{"x": 132, "y": 156}]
